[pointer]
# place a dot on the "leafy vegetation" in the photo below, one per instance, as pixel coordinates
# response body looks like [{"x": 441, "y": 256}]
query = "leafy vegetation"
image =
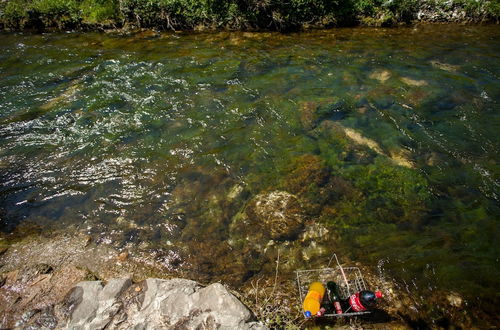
[{"x": 235, "y": 14}]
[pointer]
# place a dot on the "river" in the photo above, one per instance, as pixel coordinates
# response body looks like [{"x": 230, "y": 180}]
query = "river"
[{"x": 158, "y": 142}]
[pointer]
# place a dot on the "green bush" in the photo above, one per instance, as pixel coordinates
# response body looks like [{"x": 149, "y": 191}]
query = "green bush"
[
  {"x": 99, "y": 11},
  {"x": 367, "y": 7},
  {"x": 480, "y": 10},
  {"x": 403, "y": 10},
  {"x": 57, "y": 13},
  {"x": 15, "y": 14},
  {"x": 233, "y": 14},
  {"x": 178, "y": 14}
]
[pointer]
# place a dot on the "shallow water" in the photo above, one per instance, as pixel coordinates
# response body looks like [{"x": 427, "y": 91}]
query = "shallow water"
[{"x": 156, "y": 142}]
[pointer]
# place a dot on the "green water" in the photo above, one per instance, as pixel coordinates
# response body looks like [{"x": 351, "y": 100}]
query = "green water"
[{"x": 157, "y": 143}]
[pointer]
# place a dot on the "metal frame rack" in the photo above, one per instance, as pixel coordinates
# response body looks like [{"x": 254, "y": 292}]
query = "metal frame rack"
[{"x": 349, "y": 281}]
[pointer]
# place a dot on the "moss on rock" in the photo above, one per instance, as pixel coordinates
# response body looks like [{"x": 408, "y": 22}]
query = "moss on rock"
[{"x": 276, "y": 215}]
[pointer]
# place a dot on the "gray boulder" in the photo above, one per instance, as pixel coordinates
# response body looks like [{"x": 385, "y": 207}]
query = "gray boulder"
[{"x": 156, "y": 304}]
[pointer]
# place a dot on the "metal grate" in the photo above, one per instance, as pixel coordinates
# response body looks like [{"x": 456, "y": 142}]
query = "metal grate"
[{"x": 349, "y": 281}]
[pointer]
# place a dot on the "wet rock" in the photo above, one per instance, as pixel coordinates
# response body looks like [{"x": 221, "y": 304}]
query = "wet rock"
[
  {"x": 308, "y": 179},
  {"x": 446, "y": 104},
  {"x": 312, "y": 250},
  {"x": 454, "y": 299},
  {"x": 362, "y": 110},
  {"x": 127, "y": 223},
  {"x": 278, "y": 213},
  {"x": 312, "y": 112},
  {"x": 43, "y": 269},
  {"x": 384, "y": 101},
  {"x": 308, "y": 115},
  {"x": 312, "y": 182},
  {"x": 336, "y": 130},
  {"x": 380, "y": 75},
  {"x": 65, "y": 97},
  {"x": 444, "y": 66},
  {"x": 432, "y": 158},
  {"x": 402, "y": 157},
  {"x": 146, "y": 34},
  {"x": 218, "y": 260},
  {"x": 235, "y": 191},
  {"x": 416, "y": 96},
  {"x": 123, "y": 256},
  {"x": 315, "y": 231},
  {"x": 360, "y": 139},
  {"x": 414, "y": 82}
]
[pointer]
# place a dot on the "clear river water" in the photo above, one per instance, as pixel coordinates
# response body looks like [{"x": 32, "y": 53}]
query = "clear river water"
[{"x": 158, "y": 142}]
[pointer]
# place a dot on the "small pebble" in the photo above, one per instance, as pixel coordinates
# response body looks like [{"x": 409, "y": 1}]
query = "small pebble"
[
  {"x": 455, "y": 299},
  {"x": 138, "y": 289},
  {"x": 123, "y": 256},
  {"x": 87, "y": 240}
]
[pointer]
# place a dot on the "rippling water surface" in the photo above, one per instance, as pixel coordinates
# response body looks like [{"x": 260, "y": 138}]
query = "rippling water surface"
[{"x": 157, "y": 142}]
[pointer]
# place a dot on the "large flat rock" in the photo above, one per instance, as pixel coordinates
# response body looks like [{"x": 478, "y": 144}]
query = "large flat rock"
[{"x": 155, "y": 304}]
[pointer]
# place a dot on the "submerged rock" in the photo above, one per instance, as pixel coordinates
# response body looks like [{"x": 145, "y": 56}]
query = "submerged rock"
[
  {"x": 360, "y": 139},
  {"x": 277, "y": 215},
  {"x": 308, "y": 115},
  {"x": 314, "y": 184},
  {"x": 65, "y": 97},
  {"x": 400, "y": 156},
  {"x": 312, "y": 112},
  {"x": 235, "y": 192},
  {"x": 414, "y": 82},
  {"x": 444, "y": 66},
  {"x": 380, "y": 75},
  {"x": 308, "y": 180},
  {"x": 454, "y": 299}
]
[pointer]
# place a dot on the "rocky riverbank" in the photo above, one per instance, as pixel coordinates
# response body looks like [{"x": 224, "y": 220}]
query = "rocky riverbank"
[
  {"x": 69, "y": 281},
  {"x": 149, "y": 304}
]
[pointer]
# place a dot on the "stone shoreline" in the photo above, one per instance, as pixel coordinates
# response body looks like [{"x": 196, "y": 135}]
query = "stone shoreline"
[
  {"x": 150, "y": 304},
  {"x": 44, "y": 283},
  {"x": 68, "y": 281}
]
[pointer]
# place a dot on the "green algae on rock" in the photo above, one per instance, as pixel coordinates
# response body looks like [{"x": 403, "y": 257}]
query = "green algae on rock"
[{"x": 277, "y": 215}]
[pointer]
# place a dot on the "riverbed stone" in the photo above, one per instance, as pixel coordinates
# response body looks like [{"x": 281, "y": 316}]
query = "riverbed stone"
[
  {"x": 454, "y": 299},
  {"x": 380, "y": 75},
  {"x": 414, "y": 82},
  {"x": 277, "y": 213},
  {"x": 444, "y": 66}
]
